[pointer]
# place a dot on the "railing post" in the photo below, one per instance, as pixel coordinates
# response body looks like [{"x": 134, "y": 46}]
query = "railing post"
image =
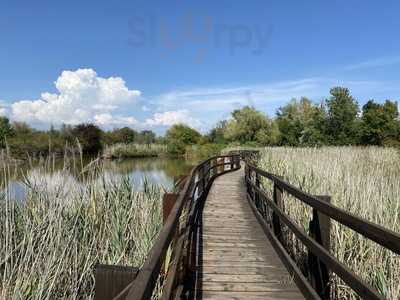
[
  {"x": 320, "y": 232},
  {"x": 220, "y": 169},
  {"x": 111, "y": 280},
  {"x": 207, "y": 173},
  {"x": 200, "y": 186},
  {"x": 168, "y": 203},
  {"x": 276, "y": 223},
  {"x": 257, "y": 196}
]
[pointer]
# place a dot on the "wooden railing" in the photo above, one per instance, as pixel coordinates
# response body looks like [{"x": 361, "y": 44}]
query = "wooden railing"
[
  {"x": 271, "y": 215},
  {"x": 173, "y": 253}
]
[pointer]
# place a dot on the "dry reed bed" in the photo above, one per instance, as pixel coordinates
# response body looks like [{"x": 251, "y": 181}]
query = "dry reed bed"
[
  {"x": 363, "y": 181},
  {"x": 50, "y": 243},
  {"x": 134, "y": 150}
]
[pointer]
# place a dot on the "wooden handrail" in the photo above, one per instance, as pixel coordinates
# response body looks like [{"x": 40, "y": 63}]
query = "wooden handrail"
[
  {"x": 379, "y": 234},
  {"x": 172, "y": 234},
  {"x": 383, "y": 236}
]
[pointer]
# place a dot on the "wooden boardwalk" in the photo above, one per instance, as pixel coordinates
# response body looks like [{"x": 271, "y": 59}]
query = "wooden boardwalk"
[
  {"x": 220, "y": 251},
  {"x": 235, "y": 259}
]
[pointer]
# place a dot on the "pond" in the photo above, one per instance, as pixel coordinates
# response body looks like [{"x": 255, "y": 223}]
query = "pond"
[{"x": 157, "y": 171}]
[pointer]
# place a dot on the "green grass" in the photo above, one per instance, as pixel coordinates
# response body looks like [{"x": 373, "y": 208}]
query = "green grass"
[
  {"x": 134, "y": 150},
  {"x": 363, "y": 181},
  {"x": 50, "y": 243}
]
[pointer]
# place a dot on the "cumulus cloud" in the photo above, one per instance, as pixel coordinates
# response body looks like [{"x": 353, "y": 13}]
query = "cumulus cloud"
[
  {"x": 82, "y": 96},
  {"x": 108, "y": 119},
  {"x": 3, "y": 112},
  {"x": 3, "y": 109},
  {"x": 170, "y": 118}
]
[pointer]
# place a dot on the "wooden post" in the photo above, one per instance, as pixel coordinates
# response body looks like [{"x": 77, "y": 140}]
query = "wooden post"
[
  {"x": 246, "y": 177},
  {"x": 169, "y": 200},
  {"x": 220, "y": 168},
  {"x": 276, "y": 223},
  {"x": 206, "y": 173},
  {"x": 320, "y": 232},
  {"x": 200, "y": 187},
  {"x": 111, "y": 280},
  {"x": 257, "y": 196}
]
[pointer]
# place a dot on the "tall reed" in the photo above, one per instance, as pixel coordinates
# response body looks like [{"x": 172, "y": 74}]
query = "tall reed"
[
  {"x": 134, "y": 150},
  {"x": 363, "y": 181},
  {"x": 51, "y": 242}
]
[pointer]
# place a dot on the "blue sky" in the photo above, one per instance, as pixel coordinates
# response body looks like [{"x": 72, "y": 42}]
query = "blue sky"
[{"x": 150, "y": 64}]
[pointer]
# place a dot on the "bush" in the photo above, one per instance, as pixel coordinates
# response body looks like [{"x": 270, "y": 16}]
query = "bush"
[
  {"x": 179, "y": 137},
  {"x": 89, "y": 137}
]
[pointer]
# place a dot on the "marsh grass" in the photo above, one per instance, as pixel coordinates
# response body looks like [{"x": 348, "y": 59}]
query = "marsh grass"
[
  {"x": 363, "y": 181},
  {"x": 134, "y": 150},
  {"x": 51, "y": 242}
]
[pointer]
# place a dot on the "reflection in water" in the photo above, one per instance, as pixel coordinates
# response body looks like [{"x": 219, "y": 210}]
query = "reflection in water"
[{"x": 60, "y": 181}]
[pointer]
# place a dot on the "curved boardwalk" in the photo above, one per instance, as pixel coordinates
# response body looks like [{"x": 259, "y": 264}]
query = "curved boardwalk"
[{"x": 235, "y": 259}]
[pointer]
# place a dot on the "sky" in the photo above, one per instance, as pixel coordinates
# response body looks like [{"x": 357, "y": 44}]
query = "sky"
[{"x": 152, "y": 64}]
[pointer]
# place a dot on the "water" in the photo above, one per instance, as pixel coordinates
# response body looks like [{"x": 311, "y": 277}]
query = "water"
[{"x": 159, "y": 171}]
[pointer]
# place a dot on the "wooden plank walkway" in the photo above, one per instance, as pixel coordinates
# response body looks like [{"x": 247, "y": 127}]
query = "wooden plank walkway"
[{"x": 236, "y": 259}]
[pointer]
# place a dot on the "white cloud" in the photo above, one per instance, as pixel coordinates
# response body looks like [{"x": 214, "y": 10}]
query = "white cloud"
[
  {"x": 374, "y": 63},
  {"x": 82, "y": 96},
  {"x": 108, "y": 119},
  {"x": 145, "y": 108},
  {"x": 214, "y": 99},
  {"x": 3, "y": 109},
  {"x": 3, "y": 112},
  {"x": 170, "y": 118},
  {"x": 211, "y": 104}
]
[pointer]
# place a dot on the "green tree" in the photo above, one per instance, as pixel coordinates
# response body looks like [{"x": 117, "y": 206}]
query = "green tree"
[
  {"x": 27, "y": 140},
  {"x": 146, "y": 137},
  {"x": 380, "y": 124},
  {"x": 216, "y": 134},
  {"x": 120, "y": 135},
  {"x": 314, "y": 132},
  {"x": 250, "y": 125},
  {"x": 301, "y": 123},
  {"x": 5, "y": 130},
  {"x": 89, "y": 136},
  {"x": 179, "y": 136},
  {"x": 342, "y": 122},
  {"x": 292, "y": 120}
]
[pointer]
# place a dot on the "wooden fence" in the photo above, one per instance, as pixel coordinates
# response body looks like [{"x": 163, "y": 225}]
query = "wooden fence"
[{"x": 271, "y": 214}]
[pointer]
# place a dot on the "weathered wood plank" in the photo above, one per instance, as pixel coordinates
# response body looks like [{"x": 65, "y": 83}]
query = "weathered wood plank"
[
  {"x": 228, "y": 295},
  {"x": 276, "y": 269},
  {"x": 236, "y": 260},
  {"x": 246, "y": 278},
  {"x": 266, "y": 286}
]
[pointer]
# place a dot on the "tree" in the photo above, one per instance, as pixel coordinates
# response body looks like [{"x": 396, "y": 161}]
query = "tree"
[
  {"x": 342, "y": 125},
  {"x": 146, "y": 137},
  {"x": 89, "y": 136},
  {"x": 314, "y": 132},
  {"x": 379, "y": 123},
  {"x": 216, "y": 135},
  {"x": 5, "y": 130},
  {"x": 250, "y": 125},
  {"x": 301, "y": 123},
  {"x": 120, "y": 135},
  {"x": 179, "y": 136},
  {"x": 290, "y": 124}
]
